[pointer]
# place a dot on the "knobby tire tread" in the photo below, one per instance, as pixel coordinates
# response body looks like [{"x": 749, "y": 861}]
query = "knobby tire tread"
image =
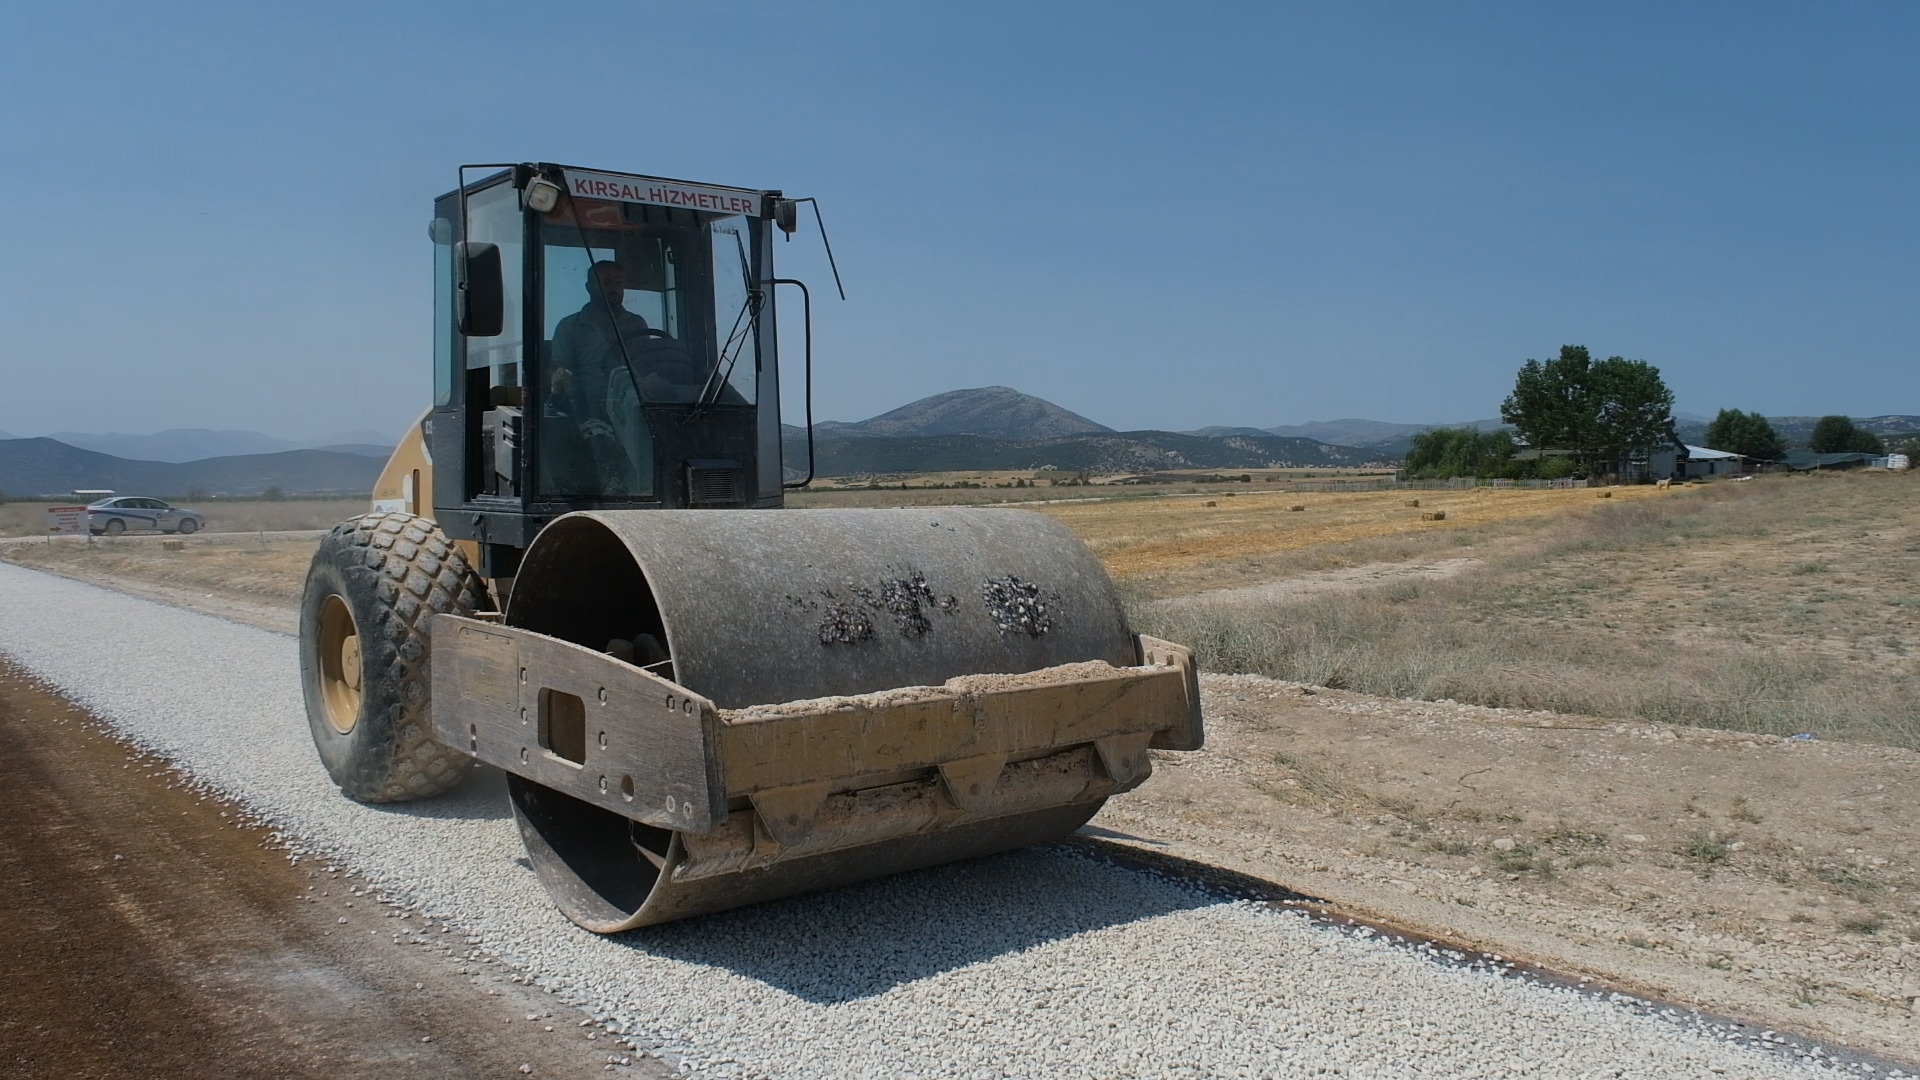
[{"x": 405, "y": 570}]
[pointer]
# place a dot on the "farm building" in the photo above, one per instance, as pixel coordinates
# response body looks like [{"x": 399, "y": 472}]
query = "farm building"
[
  {"x": 1685, "y": 462},
  {"x": 1807, "y": 461}
]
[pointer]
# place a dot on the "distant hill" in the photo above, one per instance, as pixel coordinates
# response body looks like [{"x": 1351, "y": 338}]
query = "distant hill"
[
  {"x": 193, "y": 444},
  {"x": 1112, "y": 451},
  {"x": 1357, "y": 432},
  {"x": 51, "y": 467},
  {"x": 383, "y": 451},
  {"x": 1217, "y": 432},
  {"x": 996, "y": 412},
  {"x": 4, "y": 435},
  {"x": 998, "y": 427}
]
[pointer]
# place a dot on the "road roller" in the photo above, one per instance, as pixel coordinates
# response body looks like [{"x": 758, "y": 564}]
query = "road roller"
[{"x": 578, "y": 567}]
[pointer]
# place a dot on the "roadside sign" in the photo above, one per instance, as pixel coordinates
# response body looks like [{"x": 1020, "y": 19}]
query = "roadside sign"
[{"x": 66, "y": 520}]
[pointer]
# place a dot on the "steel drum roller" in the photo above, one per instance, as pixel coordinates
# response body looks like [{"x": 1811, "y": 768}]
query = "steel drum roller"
[{"x": 763, "y": 607}]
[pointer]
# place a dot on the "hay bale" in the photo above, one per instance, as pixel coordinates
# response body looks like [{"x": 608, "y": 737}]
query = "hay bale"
[
  {"x": 1296, "y": 507},
  {"x": 1434, "y": 515},
  {"x": 1210, "y": 502},
  {"x": 1605, "y": 495},
  {"x": 1413, "y": 502},
  {"x": 174, "y": 545}
]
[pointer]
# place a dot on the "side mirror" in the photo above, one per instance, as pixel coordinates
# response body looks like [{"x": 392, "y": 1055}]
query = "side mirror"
[{"x": 482, "y": 299}]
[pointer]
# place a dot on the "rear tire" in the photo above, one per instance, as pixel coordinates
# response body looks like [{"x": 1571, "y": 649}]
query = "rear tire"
[
  {"x": 373, "y": 587},
  {"x": 116, "y": 527}
]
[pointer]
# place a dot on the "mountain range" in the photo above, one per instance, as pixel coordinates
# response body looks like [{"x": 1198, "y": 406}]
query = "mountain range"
[
  {"x": 1357, "y": 432},
  {"x": 50, "y": 467},
  {"x": 194, "y": 444},
  {"x": 992, "y": 427}
]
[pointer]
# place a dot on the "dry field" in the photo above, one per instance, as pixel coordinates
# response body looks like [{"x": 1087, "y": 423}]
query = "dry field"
[
  {"x": 1175, "y": 546},
  {"x": 1782, "y": 606}
]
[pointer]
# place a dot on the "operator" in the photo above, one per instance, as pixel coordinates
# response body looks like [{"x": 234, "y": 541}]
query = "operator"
[
  {"x": 603, "y": 350},
  {"x": 595, "y": 342},
  {"x": 597, "y": 352}
]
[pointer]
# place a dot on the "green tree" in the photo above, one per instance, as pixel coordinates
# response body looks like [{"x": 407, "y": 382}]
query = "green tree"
[
  {"x": 1446, "y": 452},
  {"x": 1839, "y": 435},
  {"x": 1553, "y": 468},
  {"x": 1746, "y": 433},
  {"x": 1633, "y": 409},
  {"x": 1605, "y": 410},
  {"x": 1550, "y": 404}
]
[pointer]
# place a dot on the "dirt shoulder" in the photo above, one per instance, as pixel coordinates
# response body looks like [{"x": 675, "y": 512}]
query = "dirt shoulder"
[
  {"x": 152, "y": 934},
  {"x": 1771, "y": 879}
]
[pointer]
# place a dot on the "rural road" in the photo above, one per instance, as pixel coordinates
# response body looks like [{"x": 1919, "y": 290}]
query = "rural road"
[{"x": 1037, "y": 963}]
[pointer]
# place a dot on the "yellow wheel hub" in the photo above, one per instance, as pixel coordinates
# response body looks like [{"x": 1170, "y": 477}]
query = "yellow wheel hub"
[{"x": 339, "y": 665}]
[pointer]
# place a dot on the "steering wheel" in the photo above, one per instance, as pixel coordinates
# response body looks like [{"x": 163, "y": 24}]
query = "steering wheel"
[{"x": 676, "y": 367}]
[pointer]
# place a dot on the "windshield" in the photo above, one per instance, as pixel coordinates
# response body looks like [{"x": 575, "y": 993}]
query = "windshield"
[
  {"x": 657, "y": 292},
  {"x": 643, "y": 305}
]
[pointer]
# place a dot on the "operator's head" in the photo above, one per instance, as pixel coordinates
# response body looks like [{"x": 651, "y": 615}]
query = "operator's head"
[{"x": 606, "y": 281}]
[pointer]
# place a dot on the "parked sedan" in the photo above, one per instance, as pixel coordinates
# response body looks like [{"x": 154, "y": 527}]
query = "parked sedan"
[{"x": 128, "y": 513}]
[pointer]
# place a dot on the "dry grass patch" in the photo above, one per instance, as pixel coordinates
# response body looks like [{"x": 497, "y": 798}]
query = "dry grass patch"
[
  {"x": 235, "y": 566},
  {"x": 1691, "y": 610}
]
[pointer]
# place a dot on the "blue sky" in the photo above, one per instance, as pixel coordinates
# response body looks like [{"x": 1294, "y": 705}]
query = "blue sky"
[{"x": 1163, "y": 216}]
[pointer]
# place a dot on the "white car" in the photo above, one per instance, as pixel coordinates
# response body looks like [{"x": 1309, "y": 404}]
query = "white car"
[{"x": 129, "y": 513}]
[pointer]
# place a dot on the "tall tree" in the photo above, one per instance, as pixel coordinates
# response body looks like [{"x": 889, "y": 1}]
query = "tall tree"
[
  {"x": 1550, "y": 404},
  {"x": 1746, "y": 433},
  {"x": 1839, "y": 435},
  {"x": 1633, "y": 409},
  {"x": 1604, "y": 411}
]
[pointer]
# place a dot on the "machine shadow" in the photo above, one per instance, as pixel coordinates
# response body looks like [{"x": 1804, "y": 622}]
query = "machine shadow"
[{"x": 862, "y": 940}]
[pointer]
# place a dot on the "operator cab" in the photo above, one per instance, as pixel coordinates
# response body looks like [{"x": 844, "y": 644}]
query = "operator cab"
[{"x": 602, "y": 341}]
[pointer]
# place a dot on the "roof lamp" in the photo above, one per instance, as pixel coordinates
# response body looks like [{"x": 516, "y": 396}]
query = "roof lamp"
[{"x": 542, "y": 195}]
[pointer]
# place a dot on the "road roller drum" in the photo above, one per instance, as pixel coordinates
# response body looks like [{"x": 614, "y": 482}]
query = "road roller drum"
[{"x": 844, "y": 693}]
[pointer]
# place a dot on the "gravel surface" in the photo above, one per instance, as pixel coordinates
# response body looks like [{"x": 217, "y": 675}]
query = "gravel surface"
[{"x": 1038, "y": 963}]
